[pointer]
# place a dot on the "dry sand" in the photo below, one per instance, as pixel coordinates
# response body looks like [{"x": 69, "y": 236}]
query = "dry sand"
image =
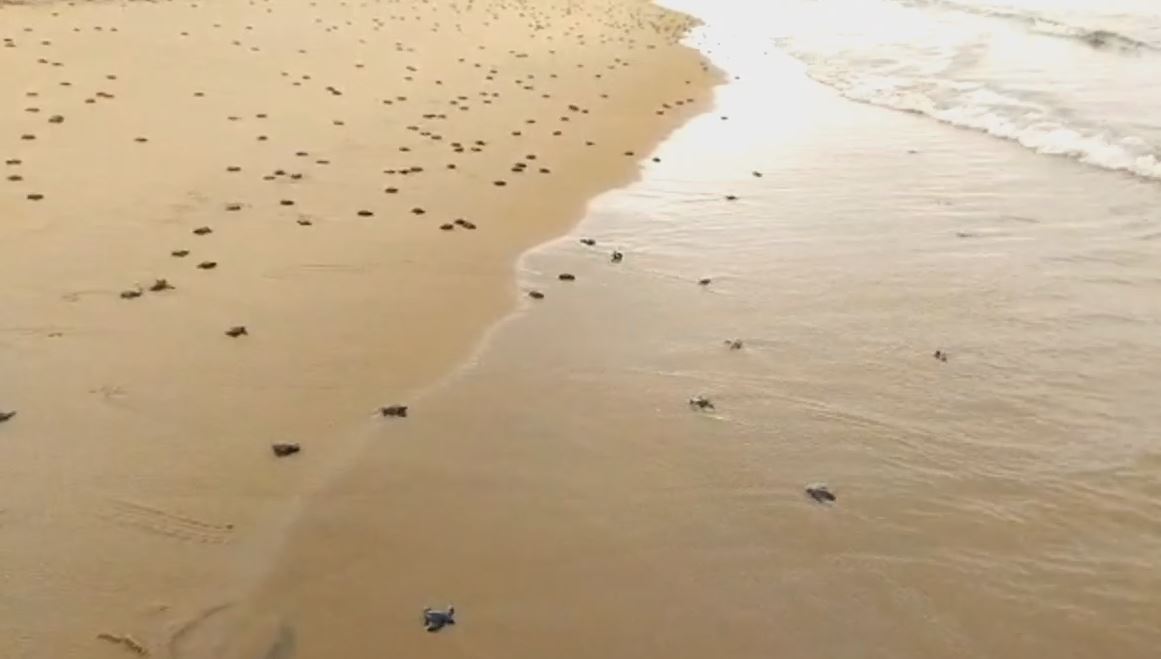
[{"x": 136, "y": 480}]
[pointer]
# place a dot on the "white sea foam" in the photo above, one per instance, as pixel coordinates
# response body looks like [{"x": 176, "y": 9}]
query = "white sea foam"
[
  {"x": 1097, "y": 37},
  {"x": 975, "y": 106}
]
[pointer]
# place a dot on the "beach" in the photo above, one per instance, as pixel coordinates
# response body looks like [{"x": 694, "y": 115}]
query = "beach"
[
  {"x": 829, "y": 331},
  {"x": 320, "y": 150}
]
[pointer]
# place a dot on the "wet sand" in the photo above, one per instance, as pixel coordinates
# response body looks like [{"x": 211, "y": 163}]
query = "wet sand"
[
  {"x": 329, "y": 150},
  {"x": 562, "y": 494}
]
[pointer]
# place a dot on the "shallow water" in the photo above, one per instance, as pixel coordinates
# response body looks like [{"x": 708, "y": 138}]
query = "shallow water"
[
  {"x": 1075, "y": 79},
  {"x": 560, "y": 491}
]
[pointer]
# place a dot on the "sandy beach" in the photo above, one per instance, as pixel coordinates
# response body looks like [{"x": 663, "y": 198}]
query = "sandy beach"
[
  {"x": 815, "y": 329},
  {"x": 349, "y": 182}
]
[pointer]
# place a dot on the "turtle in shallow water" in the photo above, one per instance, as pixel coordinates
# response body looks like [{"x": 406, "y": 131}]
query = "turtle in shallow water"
[
  {"x": 701, "y": 403},
  {"x": 435, "y": 620},
  {"x": 536, "y": 295},
  {"x": 820, "y": 493},
  {"x": 4, "y": 416},
  {"x": 588, "y": 241},
  {"x": 704, "y": 281}
]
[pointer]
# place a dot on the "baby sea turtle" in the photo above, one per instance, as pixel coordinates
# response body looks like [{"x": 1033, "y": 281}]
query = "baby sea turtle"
[
  {"x": 5, "y": 416},
  {"x": 202, "y": 231},
  {"x": 435, "y": 620},
  {"x": 365, "y": 213},
  {"x": 207, "y": 265},
  {"x": 398, "y": 411},
  {"x": 236, "y": 331},
  {"x": 588, "y": 241},
  {"x": 701, "y": 403},
  {"x": 565, "y": 276},
  {"x": 131, "y": 294},
  {"x": 940, "y": 355},
  {"x": 734, "y": 344},
  {"x": 303, "y": 222},
  {"x": 161, "y": 285},
  {"x": 179, "y": 253},
  {"x": 731, "y": 197},
  {"x": 820, "y": 493},
  {"x": 536, "y": 295},
  {"x": 283, "y": 449},
  {"x": 616, "y": 256},
  {"x": 704, "y": 281},
  {"x": 447, "y": 226}
]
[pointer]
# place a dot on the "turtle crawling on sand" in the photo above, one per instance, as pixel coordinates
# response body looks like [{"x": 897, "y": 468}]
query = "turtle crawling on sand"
[
  {"x": 616, "y": 256},
  {"x": 399, "y": 411},
  {"x": 701, "y": 403},
  {"x": 435, "y": 620},
  {"x": 734, "y": 344},
  {"x": 284, "y": 449},
  {"x": 820, "y": 493},
  {"x": 4, "y": 416}
]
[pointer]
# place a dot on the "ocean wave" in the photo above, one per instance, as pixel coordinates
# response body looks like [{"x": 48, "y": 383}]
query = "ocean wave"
[
  {"x": 1094, "y": 37},
  {"x": 1001, "y": 115}
]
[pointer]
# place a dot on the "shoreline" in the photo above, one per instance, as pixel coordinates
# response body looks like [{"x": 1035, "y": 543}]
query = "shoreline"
[{"x": 173, "y": 420}]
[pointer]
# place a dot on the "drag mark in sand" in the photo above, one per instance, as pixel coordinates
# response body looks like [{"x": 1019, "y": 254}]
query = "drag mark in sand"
[{"x": 165, "y": 524}]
